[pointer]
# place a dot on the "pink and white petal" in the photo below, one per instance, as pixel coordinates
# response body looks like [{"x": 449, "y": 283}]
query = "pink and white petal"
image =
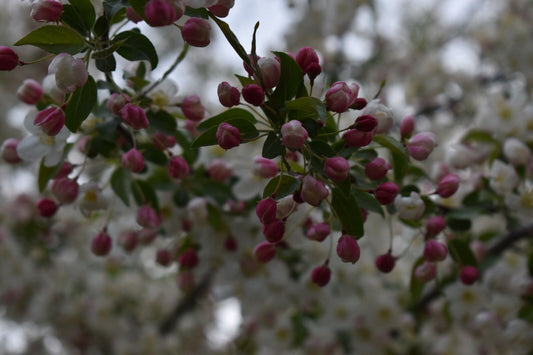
[{"x": 30, "y": 148}]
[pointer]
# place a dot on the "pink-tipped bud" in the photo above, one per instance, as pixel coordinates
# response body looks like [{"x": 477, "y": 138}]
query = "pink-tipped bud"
[
  {"x": 265, "y": 168},
  {"x": 30, "y": 92},
  {"x": 147, "y": 217},
  {"x": 366, "y": 123},
  {"x": 228, "y": 136},
  {"x": 196, "y": 32},
  {"x": 348, "y": 249},
  {"x": 192, "y": 108},
  {"x": 293, "y": 134},
  {"x": 340, "y": 96},
  {"x": 274, "y": 231},
  {"x": 128, "y": 240},
  {"x": 132, "y": 15},
  {"x": 264, "y": 252},
  {"x": 116, "y": 102},
  {"x": 359, "y": 104},
  {"x": 313, "y": 191},
  {"x": 266, "y": 210},
  {"x": 160, "y": 13},
  {"x": 386, "y": 192},
  {"x": 178, "y": 168},
  {"x": 421, "y": 145},
  {"x": 134, "y": 116},
  {"x": 270, "y": 71},
  {"x": 101, "y": 244},
  {"x": 219, "y": 170},
  {"x": 46, "y": 207},
  {"x": 9, "y": 151},
  {"x": 469, "y": 275},
  {"x": 8, "y": 59},
  {"x": 69, "y": 72},
  {"x": 253, "y": 94},
  {"x": 228, "y": 95},
  {"x": 426, "y": 271},
  {"x": 133, "y": 160},
  {"x": 318, "y": 232},
  {"x": 308, "y": 61},
  {"x": 222, "y": 7},
  {"x": 65, "y": 190},
  {"x": 321, "y": 275},
  {"x": 377, "y": 169},
  {"x": 407, "y": 126},
  {"x": 51, "y": 120},
  {"x": 385, "y": 263},
  {"x": 435, "y": 251},
  {"x": 163, "y": 257},
  {"x": 435, "y": 225},
  {"x": 188, "y": 259},
  {"x": 163, "y": 141},
  {"x": 46, "y": 10},
  {"x": 357, "y": 139},
  {"x": 337, "y": 168},
  {"x": 448, "y": 185}
]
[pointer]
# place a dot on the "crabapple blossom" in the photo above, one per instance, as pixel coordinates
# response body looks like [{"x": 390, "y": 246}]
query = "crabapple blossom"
[
  {"x": 308, "y": 61},
  {"x": 65, "y": 190},
  {"x": 163, "y": 141},
  {"x": 383, "y": 114},
  {"x": 421, "y": 145},
  {"x": 133, "y": 160},
  {"x": 147, "y": 217},
  {"x": 128, "y": 240},
  {"x": 178, "y": 168},
  {"x": 385, "y": 262},
  {"x": 270, "y": 71},
  {"x": 313, "y": 191},
  {"x": 356, "y": 138},
  {"x": 116, "y": 102},
  {"x": 266, "y": 210},
  {"x": 469, "y": 275},
  {"x": 163, "y": 257},
  {"x": 228, "y": 136},
  {"x": 264, "y": 252},
  {"x": 265, "y": 168},
  {"x": 188, "y": 259},
  {"x": 46, "y": 10},
  {"x": 196, "y": 32},
  {"x": 340, "y": 96},
  {"x": 160, "y": 13},
  {"x": 132, "y": 15},
  {"x": 407, "y": 126},
  {"x": 293, "y": 134},
  {"x": 348, "y": 249},
  {"x": 435, "y": 225},
  {"x": 69, "y": 72},
  {"x": 51, "y": 120},
  {"x": 435, "y": 251},
  {"x": 365, "y": 123},
  {"x": 192, "y": 107},
  {"x": 253, "y": 94},
  {"x": 321, "y": 275},
  {"x": 377, "y": 169},
  {"x": 9, "y": 151},
  {"x": 516, "y": 152},
  {"x": 8, "y": 59},
  {"x": 448, "y": 185},
  {"x": 30, "y": 92},
  {"x": 386, "y": 192},
  {"x": 318, "y": 232},
  {"x": 101, "y": 244},
  {"x": 337, "y": 168},
  {"x": 503, "y": 177},
  {"x": 274, "y": 231},
  {"x": 228, "y": 95},
  {"x": 219, "y": 170},
  {"x": 286, "y": 206},
  {"x": 134, "y": 116},
  {"x": 410, "y": 207},
  {"x": 46, "y": 207}
]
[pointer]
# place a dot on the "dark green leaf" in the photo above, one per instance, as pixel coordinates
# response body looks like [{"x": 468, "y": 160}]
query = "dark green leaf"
[
  {"x": 229, "y": 114},
  {"x": 368, "y": 202},
  {"x": 144, "y": 193},
  {"x": 214, "y": 217},
  {"x": 272, "y": 146},
  {"x": 322, "y": 149},
  {"x": 526, "y": 313},
  {"x": 461, "y": 253},
  {"x": 299, "y": 330},
  {"x": 45, "y": 174},
  {"x": 458, "y": 224},
  {"x": 121, "y": 183},
  {"x": 111, "y": 7},
  {"x": 415, "y": 285},
  {"x": 219, "y": 191},
  {"x": 160, "y": 179},
  {"x": 81, "y": 104},
  {"x": 479, "y": 136},
  {"x": 347, "y": 211},
  {"x": 79, "y": 15},
  {"x": 138, "y": 6},
  {"x": 162, "y": 121},
  {"x": 306, "y": 107},
  {"x": 154, "y": 155},
  {"x": 181, "y": 197},
  {"x": 201, "y": 12},
  {"x": 244, "y": 80},
  {"x": 285, "y": 187},
  {"x": 400, "y": 160},
  {"x": 136, "y": 46},
  {"x": 107, "y": 64},
  {"x": 291, "y": 80},
  {"x": 54, "y": 39}
]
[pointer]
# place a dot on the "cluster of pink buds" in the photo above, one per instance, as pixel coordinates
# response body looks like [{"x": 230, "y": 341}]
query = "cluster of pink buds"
[{"x": 308, "y": 61}]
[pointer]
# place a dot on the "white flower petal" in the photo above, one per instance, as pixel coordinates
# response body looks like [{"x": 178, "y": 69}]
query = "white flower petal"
[{"x": 30, "y": 148}]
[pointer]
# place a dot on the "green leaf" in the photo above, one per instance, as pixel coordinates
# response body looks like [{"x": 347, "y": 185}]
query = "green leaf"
[
  {"x": 154, "y": 155},
  {"x": 138, "y": 6},
  {"x": 219, "y": 191},
  {"x": 479, "y": 136},
  {"x": 54, "y": 39},
  {"x": 214, "y": 217},
  {"x": 368, "y": 202},
  {"x": 107, "y": 64},
  {"x": 45, "y": 174},
  {"x": 415, "y": 286},
  {"x": 181, "y": 197},
  {"x": 244, "y": 80},
  {"x": 136, "y": 46},
  {"x": 144, "y": 193},
  {"x": 79, "y": 15},
  {"x": 286, "y": 187},
  {"x": 192, "y": 12},
  {"x": 400, "y": 158},
  {"x": 347, "y": 211},
  {"x": 121, "y": 183},
  {"x": 461, "y": 253},
  {"x": 272, "y": 146},
  {"x": 291, "y": 80},
  {"x": 229, "y": 114},
  {"x": 247, "y": 129},
  {"x": 458, "y": 224},
  {"x": 81, "y": 104},
  {"x": 230, "y": 37},
  {"x": 306, "y": 107},
  {"x": 322, "y": 149},
  {"x": 162, "y": 121}
]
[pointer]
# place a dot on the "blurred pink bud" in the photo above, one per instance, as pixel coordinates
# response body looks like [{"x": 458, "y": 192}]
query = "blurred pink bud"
[
  {"x": 337, "y": 168},
  {"x": 219, "y": 170},
  {"x": 264, "y": 252},
  {"x": 356, "y": 138},
  {"x": 426, "y": 271},
  {"x": 321, "y": 275},
  {"x": 318, "y": 232},
  {"x": 134, "y": 116},
  {"x": 479, "y": 249},
  {"x": 265, "y": 168},
  {"x": 222, "y": 7},
  {"x": 253, "y": 94},
  {"x": 132, "y": 15},
  {"x": 365, "y": 123},
  {"x": 147, "y": 235},
  {"x": 313, "y": 191},
  {"x": 228, "y": 95},
  {"x": 192, "y": 108},
  {"x": 435, "y": 251},
  {"x": 46, "y": 207},
  {"x": 128, "y": 240},
  {"x": 196, "y": 32},
  {"x": 190, "y": 126},
  {"x": 266, "y": 210},
  {"x": 133, "y": 160},
  {"x": 147, "y": 217},
  {"x": 65, "y": 190},
  {"x": 70, "y": 72},
  {"x": 160, "y": 13},
  {"x": 340, "y": 97},
  {"x": 421, "y": 145},
  {"x": 101, "y": 244},
  {"x": 270, "y": 71},
  {"x": 228, "y": 136},
  {"x": 51, "y": 120},
  {"x": 163, "y": 257},
  {"x": 407, "y": 126},
  {"x": 359, "y": 104},
  {"x": 274, "y": 231},
  {"x": 30, "y": 92},
  {"x": 178, "y": 168},
  {"x": 293, "y": 134},
  {"x": 435, "y": 225},
  {"x": 348, "y": 249},
  {"x": 386, "y": 192},
  {"x": 230, "y": 243},
  {"x": 469, "y": 275},
  {"x": 9, "y": 151},
  {"x": 116, "y": 102},
  {"x": 8, "y": 59},
  {"x": 308, "y": 61},
  {"x": 163, "y": 141},
  {"x": 448, "y": 185},
  {"x": 385, "y": 263},
  {"x": 188, "y": 259},
  {"x": 46, "y": 10},
  {"x": 377, "y": 169}
]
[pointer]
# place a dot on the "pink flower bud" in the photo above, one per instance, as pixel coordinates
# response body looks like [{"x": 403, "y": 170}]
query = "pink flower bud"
[
  {"x": 421, "y": 145},
  {"x": 313, "y": 191},
  {"x": 266, "y": 210},
  {"x": 348, "y": 249},
  {"x": 163, "y": 257},
  {"x": 321, "y": 275},
  {"x": 426, "y": 271},
  {"x": 116, "y": 102},
  {"x": 274, "y": 231},
  {"x": 265, "y": 168},
  {"x": 30, "y": 92},
  {"x": 293, "y": 134},
  {"x": 147, "y": 217},
  {"x": 133, "y": 160},
  {"x": 160, "y": 13},
  {"x": 219, "y": 170},
  {"x": 359, "y": 104},
  {"x": 253, "y": 94},
  {"x": 8, "y": 59},
  {"x": 228, "y": 95},
  {"x": 51, "y": 120},
  {"x": 128, "y": 240},
  {"x": 101, "y": 244},
  {"x": 318, "y": 232},
  {"x": 9, "y": 151},
  {"x": 65, "y": 190},
  {"x": 308, "y": 61},
  {"x": 222, "y": 7},
  {"x": 196, "y": 32},
  {"x": 286, "y": 207},
  {"x": 407, "y": 126},
  {"x": 357, "y": 139},
  {"x": 469, "y": 275},
  {"x": 188, "y": 259},
  {"x": 448, "y": 185},
  {"x": 386, "y": 192},
  {"x": 270, "y": 71},
  {"x": 385, "y": 263},
  {"x": 377, "y": 169},
  {"x": 132, "y": 15},
  {"x": 46, "y": 207},
  {"x": 382, "y": 113},
  {"x": 163, "y": 141},
  {"x": 340, "y": 97},
  {"x": 69, "y": 72},
  {"x": 337, "y": 168},
  {"x": 192, "y": 108},
  {"x": 365, "y": 123},
  {"x": 230, "y": 243},
  {"x": 228, "y": 136},
  {"x": 264, "y": 252},
  {"x": 46, "y": 10},
  {"x": 435, "y": 251},
  {"x": 134, "y": 116},
  {"x": 435, "y": 225},
  {"x": 178, "y": 168}
]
